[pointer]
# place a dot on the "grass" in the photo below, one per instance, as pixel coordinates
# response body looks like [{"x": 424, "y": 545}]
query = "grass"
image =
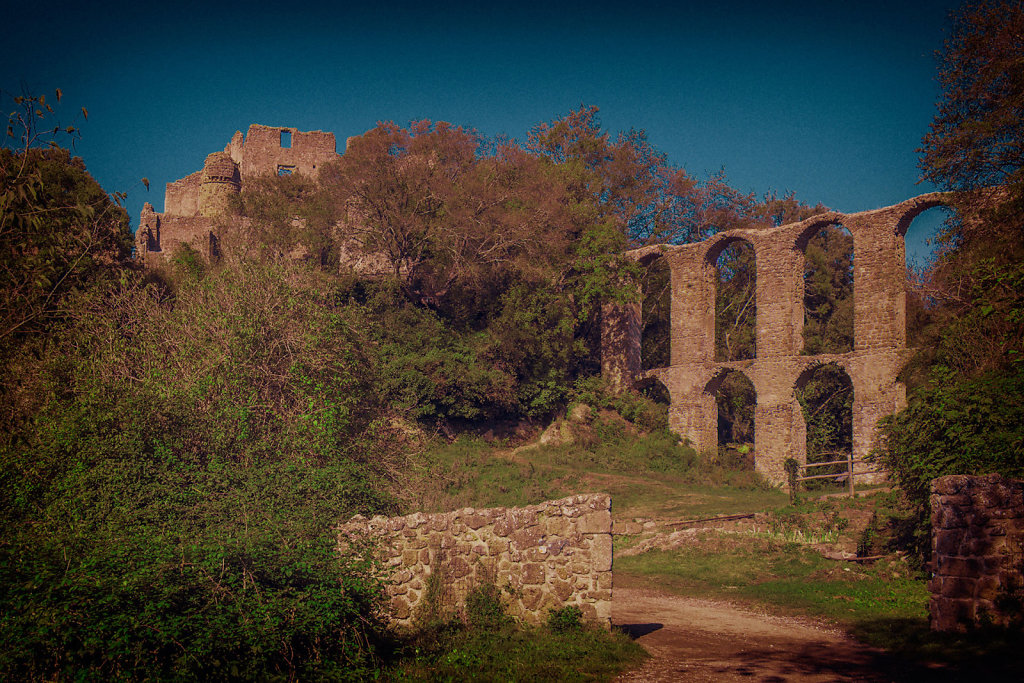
[
  {"x": 884, "y": 605},
  {"x": 482, "y": 643},
  {"x": 511, "y": 653},
  {"x": 648, "y": 475}
]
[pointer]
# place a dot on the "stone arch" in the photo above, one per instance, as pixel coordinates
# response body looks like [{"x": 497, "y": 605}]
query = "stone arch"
[
  {"x": 917, "y": 209},
  {"x": 827, "y": 410},
  {"x": 825, "y": 318},
  {"x": 738, "y": 425},
  {"x": 655, "y": 311},
  {"x": 744, "y": 343}
]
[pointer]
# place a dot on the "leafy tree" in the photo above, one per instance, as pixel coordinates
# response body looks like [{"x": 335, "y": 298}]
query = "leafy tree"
[
  {"x": 967, "y": 418},
  {"x": 976, "y": 140},
  {"x": 59, "y": 231}
]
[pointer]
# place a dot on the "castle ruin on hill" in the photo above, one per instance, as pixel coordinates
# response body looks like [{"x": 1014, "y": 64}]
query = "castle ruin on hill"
[{"x": 193, "y": 203}]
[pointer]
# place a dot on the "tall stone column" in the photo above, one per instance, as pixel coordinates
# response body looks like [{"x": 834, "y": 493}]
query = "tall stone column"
[
  {"x": 780, "y": 297},
  {"x": 693, "y": 306},
  {"x": 620, "y": 344}
]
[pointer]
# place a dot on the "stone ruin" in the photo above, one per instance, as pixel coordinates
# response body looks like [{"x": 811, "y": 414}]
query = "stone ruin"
[
  {"x": 193, "y": 203},
  {"x": 780, "y": 367},
  {"x": 544, "y": 557},
  {"x": 977, "y": 552}
]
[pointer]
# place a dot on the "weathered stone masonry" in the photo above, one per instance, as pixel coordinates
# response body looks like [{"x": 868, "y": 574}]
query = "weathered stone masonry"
[
  {"x": 192, "y": 204},
  {"x": 779, "y": 368},
  {"x": 550, "y": 555},
  {"x": 977, "y": 551}
]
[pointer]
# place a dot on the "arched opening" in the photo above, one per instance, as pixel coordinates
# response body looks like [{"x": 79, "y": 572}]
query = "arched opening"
[
  {"x": 735, "y": 302},
  {"x": 735, "y": 400},
  {"x": 825, "y": 393},
  {"x": 924, "y": 237},
  {"x": 922, "y": 241},
  {"x": 655, "y": 417},
  {"x": 828, "y": 291},
  {"x": 655, "y": 311}
]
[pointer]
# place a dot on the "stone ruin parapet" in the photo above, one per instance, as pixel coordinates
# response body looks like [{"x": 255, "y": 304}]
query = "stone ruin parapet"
[{"x": 544, "y": 557}]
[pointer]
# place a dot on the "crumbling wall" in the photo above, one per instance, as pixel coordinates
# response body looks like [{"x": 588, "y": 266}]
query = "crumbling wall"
[
  {"x": 873, "y": 365},
  {"x": 192, "y": 203},
  {"x": 549, "y": 555},
  {"x": 262, "y": 153},
  {"x": 977, "y": 552}
]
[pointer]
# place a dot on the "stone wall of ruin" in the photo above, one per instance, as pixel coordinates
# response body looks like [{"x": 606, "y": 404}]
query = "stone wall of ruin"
[
  {"x": 779, "y": 367},
  {"x": 262, "y": 152},
  {"x": 547, "y": 556},
  {"x": 977, "y": 552},
  {"x": 192, "y": 203}
]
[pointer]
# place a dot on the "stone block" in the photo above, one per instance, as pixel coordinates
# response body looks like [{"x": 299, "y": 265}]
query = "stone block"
[
  {"x": 561, "y": 589},
  {"x": 533, "y": 573},
  {"x": 531, "y": 597},
  {"x": 601, "y": 553},
  {"x": 400, "y": 608},
  {"x": 597, "y": 522}
]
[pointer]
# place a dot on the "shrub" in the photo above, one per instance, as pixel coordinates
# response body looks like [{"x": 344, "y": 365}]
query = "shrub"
[{"x": 568, "y": 618}]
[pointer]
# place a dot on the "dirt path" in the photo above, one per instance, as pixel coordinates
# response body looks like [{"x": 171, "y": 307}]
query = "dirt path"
[{"x": 692, "y": 639}]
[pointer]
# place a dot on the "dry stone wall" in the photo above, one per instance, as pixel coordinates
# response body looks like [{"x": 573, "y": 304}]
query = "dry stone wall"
[
  {"x": 780, "y": 366},
  {"x": 548, "y": 556},
  {"x": 977, "y": 552}
]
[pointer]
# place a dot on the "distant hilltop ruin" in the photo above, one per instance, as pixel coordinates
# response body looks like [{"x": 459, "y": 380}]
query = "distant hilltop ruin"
[{"x": 192, "y": 203}]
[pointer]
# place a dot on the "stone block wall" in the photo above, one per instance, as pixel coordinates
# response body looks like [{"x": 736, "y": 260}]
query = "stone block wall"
[
  {"x": 548, "y": 556},
  {"x": 977, "y": 551}
]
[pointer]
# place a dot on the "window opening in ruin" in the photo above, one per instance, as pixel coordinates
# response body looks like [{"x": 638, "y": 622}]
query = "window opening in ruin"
[
  {"x": 655, "y": 415},
  {"x": 656, "y": 286},
  {"x": 923, "y": 241},
  {"x": 736, "y": 302},
  {"x": 825, "y": 393},
  {"x": 285, "y": 170},
  {"x": 286, "y": 139},
  {"x": 828, "y": 291}
]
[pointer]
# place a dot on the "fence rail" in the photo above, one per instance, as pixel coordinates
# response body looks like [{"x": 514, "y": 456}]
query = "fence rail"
[{"x": 850, "y": 473}]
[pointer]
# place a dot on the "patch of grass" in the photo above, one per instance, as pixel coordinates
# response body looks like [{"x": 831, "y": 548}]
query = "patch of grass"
[
  {"x": 512, "y": 653},
  {"x": 787, "y": 575},
  {"x": 488, "y": 645},
  {"x": 648, "y": 475}
]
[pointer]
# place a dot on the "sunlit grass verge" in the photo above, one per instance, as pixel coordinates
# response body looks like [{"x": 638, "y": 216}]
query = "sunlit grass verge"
[
  {"x": 787, "y": 575},
  {"x": 884, "y": 605},
  {"x": 647, "y": 475}
]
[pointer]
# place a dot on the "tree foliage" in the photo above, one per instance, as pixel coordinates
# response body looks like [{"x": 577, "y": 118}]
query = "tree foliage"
[{"x": 966, "y": 418}]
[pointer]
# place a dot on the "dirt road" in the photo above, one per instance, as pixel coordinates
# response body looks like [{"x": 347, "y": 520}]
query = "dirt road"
[{"x": 692, "y": 639}]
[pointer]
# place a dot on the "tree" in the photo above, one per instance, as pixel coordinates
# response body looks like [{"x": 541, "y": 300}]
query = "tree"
[
  {"x": 59, "y": 230},
  {"x": 976, "y": 140},
  {"x": 967, "y": 418}
]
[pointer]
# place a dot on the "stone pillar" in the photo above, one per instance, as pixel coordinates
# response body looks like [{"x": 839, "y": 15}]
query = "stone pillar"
[
  {"x": 620, "y": 344},
  {"x": 977, "y": 552},
  {"x": 693, "y": 305},
  {"x": 879, "y": 283},
  {"x": 695, "y": 417},
  {"x": 780, "y": 297}
]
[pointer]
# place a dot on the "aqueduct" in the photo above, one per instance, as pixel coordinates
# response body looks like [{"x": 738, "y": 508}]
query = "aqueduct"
[{"x": 879, "y": 349}]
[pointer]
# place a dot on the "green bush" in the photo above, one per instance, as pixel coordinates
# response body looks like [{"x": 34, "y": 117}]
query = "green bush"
[{"x": 568, "y": 618}]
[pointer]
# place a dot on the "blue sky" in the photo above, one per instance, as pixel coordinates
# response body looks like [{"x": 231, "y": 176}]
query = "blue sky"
[{"x": 826, "y": 99}]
